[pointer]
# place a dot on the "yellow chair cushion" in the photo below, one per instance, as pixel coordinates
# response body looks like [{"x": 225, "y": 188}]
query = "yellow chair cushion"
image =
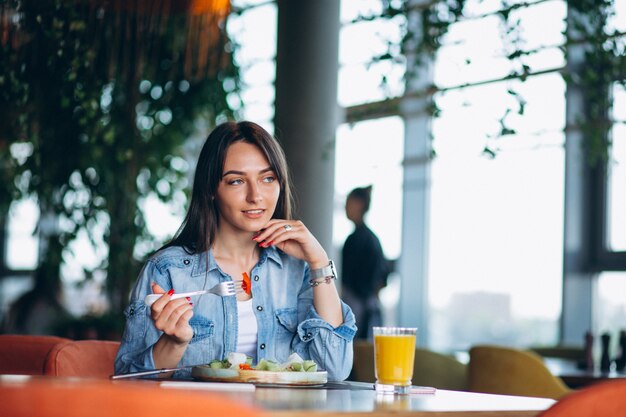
[{"x": 510, "y": 371}]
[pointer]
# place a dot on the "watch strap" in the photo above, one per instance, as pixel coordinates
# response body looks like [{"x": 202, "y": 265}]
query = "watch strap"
[{"x": 326, "y": 271}]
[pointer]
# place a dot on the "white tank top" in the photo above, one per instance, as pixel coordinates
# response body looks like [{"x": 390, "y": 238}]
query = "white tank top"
[{"x": 247, "y": 329}]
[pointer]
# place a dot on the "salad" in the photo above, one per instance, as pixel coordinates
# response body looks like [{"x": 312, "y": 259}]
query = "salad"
[{"x": 241, "y": 361}]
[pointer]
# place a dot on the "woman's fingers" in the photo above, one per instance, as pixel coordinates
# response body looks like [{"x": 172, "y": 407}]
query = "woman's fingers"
[
  {"x": 156, "y": 288},
  {"x": 177, "y": 324},
  {"x": 158, "y": 306},
  {"x": 163, "y": 315},
  {"x": 277, "y": 231},
  {"x": 172, "y": 316},
  {"x": 183, "y": 321},
  {"x": 181, "y": 330},
  {"x": 172, "y": 321},
  {"x": 293, "y": 238}
]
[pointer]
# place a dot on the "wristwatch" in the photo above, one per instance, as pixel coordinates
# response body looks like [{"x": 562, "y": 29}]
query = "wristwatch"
[{"x": 326, "y": 271}]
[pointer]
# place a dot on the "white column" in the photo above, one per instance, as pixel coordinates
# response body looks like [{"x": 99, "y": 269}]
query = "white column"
[
  {"x": 578, "y": 283},
  {"x": 413, "y": 261}
]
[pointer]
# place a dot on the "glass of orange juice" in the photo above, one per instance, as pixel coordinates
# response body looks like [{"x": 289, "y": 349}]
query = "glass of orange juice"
[{"x": 394, "y": 352}]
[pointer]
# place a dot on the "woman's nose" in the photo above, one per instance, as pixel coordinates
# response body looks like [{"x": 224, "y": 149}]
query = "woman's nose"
[{"x": 254, "y": 194}]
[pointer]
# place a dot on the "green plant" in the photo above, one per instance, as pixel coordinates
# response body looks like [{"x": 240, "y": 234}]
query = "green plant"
[
  {"x": 604, "y": 64},
  {"x": 587, "y": 27},
  {"x": 99, "y": 102}
]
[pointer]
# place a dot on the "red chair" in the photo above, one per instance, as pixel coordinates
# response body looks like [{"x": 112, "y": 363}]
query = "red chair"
[
  {"x": 86, "y": 358},
  {"x": 25, "y": 354},
  {"x": 604, "y": 399}
]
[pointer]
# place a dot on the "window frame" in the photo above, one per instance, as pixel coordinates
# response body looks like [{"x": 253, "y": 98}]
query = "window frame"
[{"x": 601, "y": 257}]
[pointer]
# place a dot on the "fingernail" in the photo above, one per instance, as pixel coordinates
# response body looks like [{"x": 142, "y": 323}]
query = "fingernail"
[
  {"x": 170, "y": 292},
  {"x": 271, "y": 242},
  {"x": 188, "y": 299},
  {"x": 191, "y": 304}
]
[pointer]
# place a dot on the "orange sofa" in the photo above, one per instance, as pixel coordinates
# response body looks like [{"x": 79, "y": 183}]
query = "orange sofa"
[{"x": 25, "y": 354}]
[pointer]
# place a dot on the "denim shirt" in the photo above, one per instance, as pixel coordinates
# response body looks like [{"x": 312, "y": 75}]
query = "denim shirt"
[{"x": 283, "y": 306}]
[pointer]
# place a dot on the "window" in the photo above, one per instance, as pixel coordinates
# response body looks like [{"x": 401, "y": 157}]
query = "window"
[
  {"x": 254, "y": 31},
  {"x": 496, "y": 242},
  {"x": 360, "y": 162},
  {"x": 496, "y": 234},
  {"x": 361, "y": 42},
  {"x": 496, "y": 212}
]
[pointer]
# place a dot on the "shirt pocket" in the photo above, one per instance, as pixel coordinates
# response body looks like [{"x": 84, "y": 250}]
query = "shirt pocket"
[
  {"x": 202, "y": 328},
  {"x": 136, "y": 321},
  {"x": 286, "y": 334},
  {"x": 287, "y": 320}
]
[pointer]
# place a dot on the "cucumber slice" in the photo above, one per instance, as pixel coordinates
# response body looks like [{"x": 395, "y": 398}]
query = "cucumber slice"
[
  {"x": 216, "y": 364},
  {"x": 309, "y": 366}
]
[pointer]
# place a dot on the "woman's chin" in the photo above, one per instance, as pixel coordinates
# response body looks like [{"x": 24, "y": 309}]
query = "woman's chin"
[{"x": 255, "y": 226}]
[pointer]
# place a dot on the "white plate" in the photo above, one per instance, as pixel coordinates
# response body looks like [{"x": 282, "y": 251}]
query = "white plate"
[{"x": 206, "y": 373}]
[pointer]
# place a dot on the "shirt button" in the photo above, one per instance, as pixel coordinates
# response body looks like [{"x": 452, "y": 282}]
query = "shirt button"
[
  {"x": 309, "y": 335},
  {"x": 186, "y": 261},
  {"x": 262, "y": 346},
  {"x": 259, "y": 308},
  {"x": 256, "y": 277}
]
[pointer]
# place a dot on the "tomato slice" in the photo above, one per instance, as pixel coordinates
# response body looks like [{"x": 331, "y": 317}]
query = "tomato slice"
[{"x": 246, "y": 285}]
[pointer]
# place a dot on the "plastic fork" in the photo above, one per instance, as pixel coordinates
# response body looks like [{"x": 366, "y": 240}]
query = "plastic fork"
[{"x": 223, "y": 289}]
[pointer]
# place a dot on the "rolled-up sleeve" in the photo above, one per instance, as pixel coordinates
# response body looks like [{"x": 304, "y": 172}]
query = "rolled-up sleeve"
[
  {"x": 135, "y": 352},
  {"x": 330, "y": 347}
]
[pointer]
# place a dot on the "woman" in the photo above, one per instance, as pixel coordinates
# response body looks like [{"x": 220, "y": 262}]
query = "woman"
[
  {"x": 239, "y": 220},
  {"x": 364, "y": 267}
]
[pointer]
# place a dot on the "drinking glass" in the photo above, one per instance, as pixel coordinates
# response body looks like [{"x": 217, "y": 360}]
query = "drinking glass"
[{"x": 394, "y": 352}]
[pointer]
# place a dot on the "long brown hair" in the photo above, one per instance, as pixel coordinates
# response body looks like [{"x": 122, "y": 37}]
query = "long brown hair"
[{"x": 198, "y": 229}]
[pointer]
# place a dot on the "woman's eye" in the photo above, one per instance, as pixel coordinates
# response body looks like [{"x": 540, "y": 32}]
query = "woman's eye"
[
  {"x": 269, "y": 179},
  {"x": 235, "y": 181}
]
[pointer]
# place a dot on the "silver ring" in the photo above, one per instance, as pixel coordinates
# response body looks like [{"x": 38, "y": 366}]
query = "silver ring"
[{"x": 288, "y": 227}]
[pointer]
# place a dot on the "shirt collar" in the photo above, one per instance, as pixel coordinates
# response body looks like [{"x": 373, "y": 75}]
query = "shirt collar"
[
  {"x": 204, "y": 262},
  {"x": 272, "y": 253}
]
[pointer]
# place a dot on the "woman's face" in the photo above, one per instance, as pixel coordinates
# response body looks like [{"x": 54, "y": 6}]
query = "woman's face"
[{"x": 248, "y": 191}]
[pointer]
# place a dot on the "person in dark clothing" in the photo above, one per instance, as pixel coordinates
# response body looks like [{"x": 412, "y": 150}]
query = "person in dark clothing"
[{"x": 364, "y": 266}]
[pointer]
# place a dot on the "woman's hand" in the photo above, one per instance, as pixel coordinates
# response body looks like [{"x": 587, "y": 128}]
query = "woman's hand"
[
  {"x": 172, "y": 316},
  {"x": 293, "y": 238}
]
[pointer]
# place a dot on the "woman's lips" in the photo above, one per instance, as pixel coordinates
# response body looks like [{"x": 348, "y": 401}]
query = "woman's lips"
[{"x": 253, "y": 214}]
